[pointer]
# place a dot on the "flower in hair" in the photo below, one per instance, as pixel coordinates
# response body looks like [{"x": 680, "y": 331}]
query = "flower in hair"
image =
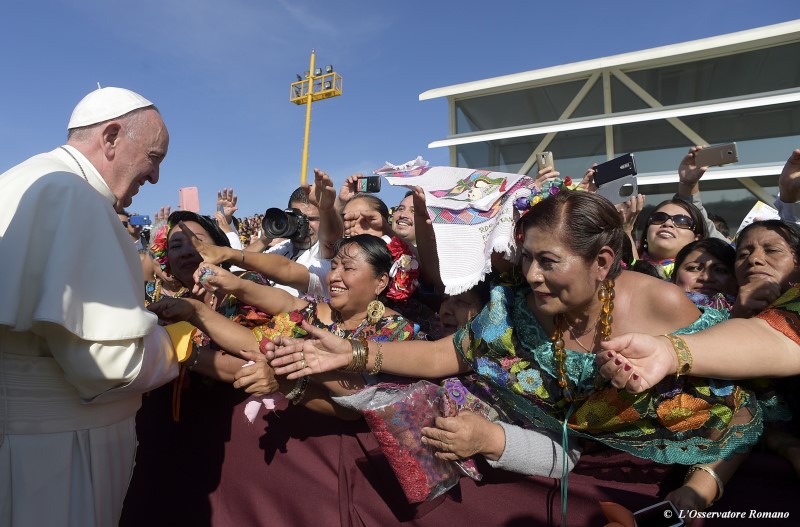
[
  {"x": 159, "y": 246},
  {"x": 404, "y": 272},
  {"x": 549, "y": 188}
]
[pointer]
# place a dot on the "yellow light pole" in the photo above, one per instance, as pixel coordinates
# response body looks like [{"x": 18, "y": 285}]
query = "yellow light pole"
[{"x": 314, "y": 86}]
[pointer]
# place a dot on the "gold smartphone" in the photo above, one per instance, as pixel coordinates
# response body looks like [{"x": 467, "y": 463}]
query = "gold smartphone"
[
  {"x": 716, "y": 156},
  {"x": 544, "y": 160}
]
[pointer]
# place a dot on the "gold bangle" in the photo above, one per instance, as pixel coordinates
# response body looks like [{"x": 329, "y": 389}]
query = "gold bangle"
[
  {"x": 378, "y": 360},
  {"x": 682, "y": 353},
  {"x": 710, "y": 471},
  {"x": 359, "y": 355}
]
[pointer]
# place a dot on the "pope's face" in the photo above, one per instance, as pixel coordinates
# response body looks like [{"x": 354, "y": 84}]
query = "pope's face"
[{"x": 140, "y": 147}]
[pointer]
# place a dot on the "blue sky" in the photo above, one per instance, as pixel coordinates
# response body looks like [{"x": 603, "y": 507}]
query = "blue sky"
[{"x": 220, "y": 73}]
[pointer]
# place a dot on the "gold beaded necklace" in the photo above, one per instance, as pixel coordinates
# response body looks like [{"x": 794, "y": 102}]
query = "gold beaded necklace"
[{"x": 606, "y": 295}]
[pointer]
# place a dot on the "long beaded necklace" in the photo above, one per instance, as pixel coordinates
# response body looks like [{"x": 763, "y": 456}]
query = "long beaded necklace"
[{"x": 606, "y": 296}]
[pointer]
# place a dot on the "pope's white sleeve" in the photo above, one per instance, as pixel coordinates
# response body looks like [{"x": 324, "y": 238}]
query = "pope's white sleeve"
[{"x": 112, "y": 370}]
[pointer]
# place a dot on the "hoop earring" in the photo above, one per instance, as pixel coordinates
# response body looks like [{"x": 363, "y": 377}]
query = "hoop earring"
[{"x": 375, "y": 311}]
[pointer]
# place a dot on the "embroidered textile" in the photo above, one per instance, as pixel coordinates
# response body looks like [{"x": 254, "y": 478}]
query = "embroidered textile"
[
  {"x": 686, "y": 421},
  {"x": 473, "y": 214}
]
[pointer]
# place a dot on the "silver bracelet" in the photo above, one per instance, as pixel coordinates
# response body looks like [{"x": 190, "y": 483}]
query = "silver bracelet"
[
  {"x": 196, "y": 352},
  {"x": 296, "y": 395}
]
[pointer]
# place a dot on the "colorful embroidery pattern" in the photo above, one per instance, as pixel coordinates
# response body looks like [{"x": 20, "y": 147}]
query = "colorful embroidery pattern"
[{"x": 687, "y": 422}]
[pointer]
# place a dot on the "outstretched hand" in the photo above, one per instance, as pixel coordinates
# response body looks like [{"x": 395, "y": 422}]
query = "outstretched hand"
[
  {"x": 629, "y": 210},
  {"x": 324, "y": 193},
  {"x": 689, "y": 173},
  {"x": 227, "y": 200},
  {"x": 420, "y": 208},
  {"x": 257, "y": 378},
  {"x": 789, "y": 181},
  {"x": 636, "y": 362},
  {"x": 322, "y": 351},
  {"x": 363, "y": 221},
  {"x": 210, "y": 253},
  {"x": 171, "y": 310},
  {"x": 213, "y": 278},
  {"x": 587, "y": 183}
]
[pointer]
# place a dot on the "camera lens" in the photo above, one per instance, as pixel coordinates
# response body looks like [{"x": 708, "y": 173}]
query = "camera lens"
[{"x": 277, "y": 224}]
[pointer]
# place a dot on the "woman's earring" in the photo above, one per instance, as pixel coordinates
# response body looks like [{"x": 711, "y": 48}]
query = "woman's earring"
[{"x": 375, "y": 311}]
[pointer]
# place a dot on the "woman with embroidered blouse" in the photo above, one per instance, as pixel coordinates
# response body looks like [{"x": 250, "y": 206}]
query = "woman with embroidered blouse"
[
  {"x": 358, "y": 278},
  {"x": 533, "y": 347}
]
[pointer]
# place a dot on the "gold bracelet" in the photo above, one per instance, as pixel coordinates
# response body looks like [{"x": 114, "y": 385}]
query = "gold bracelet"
[
  {"x": 365, "y": 343},
  {"x": 682, "y": 353},
  {"x": 359, "y": 354},
  {"x": 378, "y": 360},
  {"x": 710, "y": 471}
]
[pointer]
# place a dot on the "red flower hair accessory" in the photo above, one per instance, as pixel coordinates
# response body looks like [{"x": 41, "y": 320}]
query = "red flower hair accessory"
[
  {"x": 404, "y": 272},
  {"x": 159, "y": 246}
]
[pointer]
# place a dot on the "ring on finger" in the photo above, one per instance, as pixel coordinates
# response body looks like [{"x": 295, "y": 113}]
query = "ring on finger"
[{"x": 302, "y": 364}]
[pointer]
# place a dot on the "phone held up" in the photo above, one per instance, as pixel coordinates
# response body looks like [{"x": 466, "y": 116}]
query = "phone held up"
[
  {"x": 369, "y": 184},
  {"x": 616, "y": 179},
  {"x": 716, "y": 156},
  {"x": 139, "y": 220},
  {"x": 544, "y": 160}
]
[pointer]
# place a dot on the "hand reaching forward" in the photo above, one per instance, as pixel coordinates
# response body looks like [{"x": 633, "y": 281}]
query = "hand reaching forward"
[
  {"x": 210, "y": 253},
  {"x": 689, "y": 173},
  {"x": 257, "y": 378},
  {"x": 324, "y": 191},
  {"x": 322, "y": 351},
  {"x": 362, "y": 222},
  {"x": 636, "y": 362},
  {"x": 227, "y": 200},
  {"x": 171, "y": 310},
  {"x": 789, "y": 181},
  {"x": 213, "y": 278}
]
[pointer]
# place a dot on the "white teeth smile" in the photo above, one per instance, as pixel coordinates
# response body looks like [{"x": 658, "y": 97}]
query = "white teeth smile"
[
  {"x": 337, "y": 289},
  {"x": 403, "y": 221}
]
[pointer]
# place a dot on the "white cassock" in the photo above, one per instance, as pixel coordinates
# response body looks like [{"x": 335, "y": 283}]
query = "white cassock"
[{"x": 77, "y": 347}]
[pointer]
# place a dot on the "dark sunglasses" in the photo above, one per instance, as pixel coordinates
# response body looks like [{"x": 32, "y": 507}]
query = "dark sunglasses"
[
  {"x": 125, "y": 224},
  {"x": 681, "y": 221}
]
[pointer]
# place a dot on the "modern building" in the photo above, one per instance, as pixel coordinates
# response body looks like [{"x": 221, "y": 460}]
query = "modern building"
[{"x": 655, "y": 103}]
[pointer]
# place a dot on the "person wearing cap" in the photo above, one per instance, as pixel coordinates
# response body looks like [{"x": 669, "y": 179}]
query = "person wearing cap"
[{"x": 77, "y": 347}]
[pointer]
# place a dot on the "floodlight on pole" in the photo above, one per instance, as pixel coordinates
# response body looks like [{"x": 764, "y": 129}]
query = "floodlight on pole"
[{"x": 309, "y": 89}]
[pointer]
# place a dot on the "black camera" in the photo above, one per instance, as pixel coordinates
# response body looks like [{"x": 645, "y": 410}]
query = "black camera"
[{"x": 289, "y": 223}]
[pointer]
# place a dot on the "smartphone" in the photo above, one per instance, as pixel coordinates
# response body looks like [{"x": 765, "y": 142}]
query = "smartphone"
[
  {"x": 368, "y": 184},
  {"x": 620, "y": 189},
  {"x": 221, "y": 209},
  {"x": 662, "y": 514},
  {"x": 140, "y": 220},
  {"x": 544, "y": 160},
  {"x": 716, "y": 156},
  {"x": 619, "y": 167},
  {"x": 188, "y": 199}
]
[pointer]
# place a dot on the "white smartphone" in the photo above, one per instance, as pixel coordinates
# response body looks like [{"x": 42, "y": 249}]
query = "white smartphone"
[{"x": 619, "y": 190}]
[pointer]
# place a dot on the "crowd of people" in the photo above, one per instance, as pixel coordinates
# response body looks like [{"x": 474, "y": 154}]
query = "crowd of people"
[{"x": 223, "y": 376}]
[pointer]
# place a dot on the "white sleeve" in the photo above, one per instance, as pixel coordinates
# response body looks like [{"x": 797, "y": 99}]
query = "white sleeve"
[
  {"x": 534, "y": 452},
  {"x": 233, "y": 238},
  {"x": 789, "y": 212},
  {"x": 107, "y": 371}
]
